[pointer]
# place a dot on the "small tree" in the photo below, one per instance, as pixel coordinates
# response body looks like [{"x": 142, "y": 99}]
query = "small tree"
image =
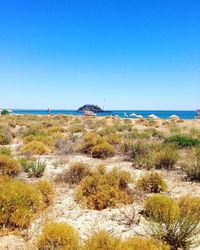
[{"x": 4, "y": 112}]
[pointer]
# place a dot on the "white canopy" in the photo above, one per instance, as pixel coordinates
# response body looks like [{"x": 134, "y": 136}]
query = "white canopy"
[
  {"x": 133, "y": 114},
  {"x": 139, "y": 116},
  {"x": 174, "y": 116},
  {"x": 153, "y": 116}
]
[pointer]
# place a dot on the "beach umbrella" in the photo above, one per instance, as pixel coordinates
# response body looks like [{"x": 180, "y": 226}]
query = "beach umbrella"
[
  {"x": 153, "y": 116},
  {"x": 174, "y": 117},
  {"x": 133, "y": 114},
  {"x": 139, "y": 116}
]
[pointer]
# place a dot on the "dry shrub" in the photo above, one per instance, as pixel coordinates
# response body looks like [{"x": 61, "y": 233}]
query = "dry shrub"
[
  {"x": 177, "y": 224},
  {"x": 46, "y": 188},
  {"x": 161, "y": 208},
  {"x": 55, "y": 129},
  {"x": 145, "y": 161},
  {"x": 75, "y": 173},
  {"x": 105, "y": 189},
  {"x": 36, "y": 129},
  {"x": 76, "y": 129},
  {"x": 64, "y": 146},
  {"x": 89, "y": 141},
  {"x": 140, "y": 243},
  {"x": 58, "y": 236},
  {"x": 8, "y": 165},
  {"x": 5, "y": 135},
  {"x": 19, "y": 202},
  {"x": 102, "y": 241},
  {"x": 103, "y": 150},
  {"x": 5, "y": 151},
  {"x": 192, "y": 169},
  {"x": 183, "y": 232},
  {"x": 35, "y": 148},
  {"x": 190, "y": 205},
  {"x": 166, "y": 157},
  {"x": 151, "y": 183},
  {"x": 135, "y": 149},
  {"x": 113, "y": 139}
]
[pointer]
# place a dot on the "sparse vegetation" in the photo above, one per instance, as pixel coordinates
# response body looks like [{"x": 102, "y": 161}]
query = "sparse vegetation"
[
  {"x": 58, "y": 236},
  {"x": 35, "y": 148},
  {"x": 19, "y": 202},
  {"x": 75, "y": 173},
  {"x": 161, "y": 208},
  {"x": 5, "y": 135},
  {"x": 102, "y": 240},
  {"x": 104, "y": 189},
  {"x": 192, "y": 169},
  {"x": 8, "y": 165},
  {"x": 68, "y": 161},
  {"x": 103, "y": 150},
  {"x": 180, "y": 233},
  {"x": 46, "y": 188},
  {"x": 5, "y": 151},
  {"x": 166, "y": 158},
  {"x": 152, "y": 183}
]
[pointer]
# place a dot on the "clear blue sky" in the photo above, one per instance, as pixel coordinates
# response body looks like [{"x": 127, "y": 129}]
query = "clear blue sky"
[{"x": 137, "y": 54}]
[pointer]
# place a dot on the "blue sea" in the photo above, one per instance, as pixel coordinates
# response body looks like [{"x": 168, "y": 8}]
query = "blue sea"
[{"x": 121, "y": 113}]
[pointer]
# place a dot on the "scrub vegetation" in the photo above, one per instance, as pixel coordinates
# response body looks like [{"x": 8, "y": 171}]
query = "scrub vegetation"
[{"x": 73, "y": 182}]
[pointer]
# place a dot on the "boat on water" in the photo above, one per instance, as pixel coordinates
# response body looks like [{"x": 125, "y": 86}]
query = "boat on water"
[{"x": 89, "y": 113}]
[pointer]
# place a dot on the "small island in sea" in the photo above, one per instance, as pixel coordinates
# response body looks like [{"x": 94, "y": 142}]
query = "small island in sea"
[{"x": 91, "y": 107}]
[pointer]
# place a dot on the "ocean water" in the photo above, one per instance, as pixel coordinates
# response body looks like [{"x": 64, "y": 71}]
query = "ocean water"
[{"x": 121, "y": 113}]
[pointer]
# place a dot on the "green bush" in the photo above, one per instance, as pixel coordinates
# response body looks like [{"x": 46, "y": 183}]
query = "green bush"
[
  {"x": 4, "y": 112},
  {"x": 75, "y": 173},
  {"x": 103, "y": 150},
  {"x": 105, "y": 189},
  {"x": 183, "y": 141},
  {"x": 152, "y": 183},
  {"x": 161, "y": 208},
  {"x": 19, "y": 202},
  {"x": 35, "y": 148},
  {"x": 8, "y": 165},
  {"x": 58, "y": 236}
]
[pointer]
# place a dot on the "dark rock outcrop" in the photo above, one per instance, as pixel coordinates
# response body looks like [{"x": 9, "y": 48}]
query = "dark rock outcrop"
[
  {"x": 198, "y": 114},
  {"x": 90, "y": 107}
]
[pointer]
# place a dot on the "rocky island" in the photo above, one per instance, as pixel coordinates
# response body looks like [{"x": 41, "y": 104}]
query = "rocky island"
[{"x": 90, "y": 107}]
